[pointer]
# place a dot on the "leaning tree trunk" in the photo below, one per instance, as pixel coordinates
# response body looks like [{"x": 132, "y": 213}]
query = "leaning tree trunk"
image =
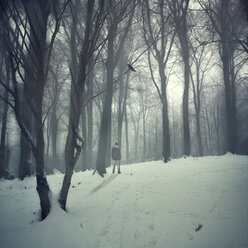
[
  {"x": 71, "y": 151},
  {"x": 72, "y": 148}
]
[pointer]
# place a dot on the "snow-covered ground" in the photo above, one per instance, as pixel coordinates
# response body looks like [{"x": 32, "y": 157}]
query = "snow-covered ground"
[{"x": 158, "y": 205}]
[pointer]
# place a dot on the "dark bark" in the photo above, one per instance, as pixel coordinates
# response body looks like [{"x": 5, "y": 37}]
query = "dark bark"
[
  {"x": 122, "y": 103},
  {"x": 85, "y": 162},
  {"x": 223, "y": 21},
  {"x": 89, "y": 110},
  {"x": 25, "y": 161},
  {"x": 144, "y": 113},
  {"x": 166, "y": 128},
  {"x": 186, "y": 133},
  {"x": 38, "y": 19},
  {"x": 54, "y": 130},
  {"x": 197, "y": 106},
  {"x": 3, "y": 150},
  {"x": 116, "y": 16},
  {"x": 105, "y": 128},
  {"x": 75, "y": 143},
  {"x": 29, "y": 51},
  {"x": 127, "y": 133},
  {"x": 229, "y": 98},
  {"x": 162, "y": 49},
  {"x": 179, "y": 11}
]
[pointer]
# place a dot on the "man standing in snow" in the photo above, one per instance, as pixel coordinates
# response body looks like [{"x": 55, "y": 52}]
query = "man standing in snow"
[{"x": 116, "y": 156}]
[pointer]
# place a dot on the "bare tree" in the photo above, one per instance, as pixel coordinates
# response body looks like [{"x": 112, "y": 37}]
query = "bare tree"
[
  {"x": 179, "y": 11},
  {"x": 201, "y": 63},
  {"x": 224, "y": 17},
  {"x": 26, "y": 40},
  {"x": 90, "y": 43},
  {"x": 160, "y": 37},
  {"x": 120, "y": 12},
  {"x": 3, "y": 148}
]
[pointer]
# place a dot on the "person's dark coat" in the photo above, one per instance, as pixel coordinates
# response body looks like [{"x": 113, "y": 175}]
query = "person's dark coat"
[{"x": 116, "y": 153}]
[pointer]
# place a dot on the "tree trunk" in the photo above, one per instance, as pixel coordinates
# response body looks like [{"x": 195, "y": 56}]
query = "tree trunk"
[
  {"x": 38, "y": 17},
  {"x": 42, "y": 185},
  {"x": 165, "y": 124},
  {"x": 71, "y": 151},
  {"x": 25, "y": 160},
  {"x": 54, "y": 130},
  {"x": 181, "y": 23},
  {"x": 186, "y": 132},
  {"x": 72, "y": 148},
  {"x": 197, "y": 105},
  {"x": 104, "y": 145},
  {"x": 230, "y": 99},
  {"x": 198, "y": 131},
  {"x": 3, "y": 169},
  {"x": 84, "y": 134},
  {"x": 144, "y": 137},
  {"x": 90, "y": 120},
  {"x": 127, "y": 140}
]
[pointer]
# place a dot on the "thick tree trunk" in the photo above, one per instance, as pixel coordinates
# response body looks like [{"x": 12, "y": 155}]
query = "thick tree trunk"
[
  {"x": 72, "y": 148},
  {"x": 183, "y": 39},
  {"x": 54, "y": 130},
  {"x": 230, "y": 99},
  {"x": 165, "y": 124},
  {"x": 186, "y": 133},
  {"x": 104, "y": 145},
  {"x": 42, "y": 185},
  {"x": 25, "y": 160},
  {"x": 72, "y": 152},
  {"x": 37, "y": 61},
  {"x": 3, "y": 169}
]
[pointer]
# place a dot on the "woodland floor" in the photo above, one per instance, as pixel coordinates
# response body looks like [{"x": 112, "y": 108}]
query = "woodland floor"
[{"x": 150, "y": 204}]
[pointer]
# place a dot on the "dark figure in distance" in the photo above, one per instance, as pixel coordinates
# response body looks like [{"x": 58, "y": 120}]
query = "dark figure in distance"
[{"x": 116, "y": 156}]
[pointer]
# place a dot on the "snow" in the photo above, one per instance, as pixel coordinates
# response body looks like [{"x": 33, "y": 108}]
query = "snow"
[{"x": 158, "y": 205}]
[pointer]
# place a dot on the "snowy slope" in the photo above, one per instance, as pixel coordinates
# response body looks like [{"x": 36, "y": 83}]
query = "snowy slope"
[{"x": 157, "y": 206}]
